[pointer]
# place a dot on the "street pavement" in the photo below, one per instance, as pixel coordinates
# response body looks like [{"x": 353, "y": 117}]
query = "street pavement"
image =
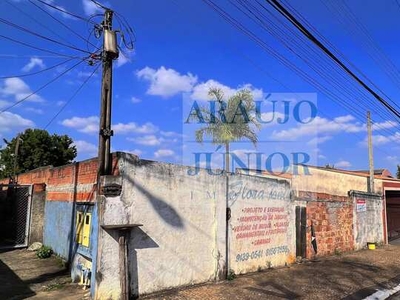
[{"x": 348, "y": 276}]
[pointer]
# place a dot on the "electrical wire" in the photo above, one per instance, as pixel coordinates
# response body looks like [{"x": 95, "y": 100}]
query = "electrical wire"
[
  {"x": 64, "y": 11},
  {"x": 314, "y": 59},
  {"x": 11, "y": 24},
  {"x": 16, "y": 56},
  {"x": 71, "y": 98},
  {"x": 36, "y": 21},
  {"x": 99, "y": 5},
  {"x": 339, "y": 53},
  {"x": 238, "y": 25},
  {"x": 38, "y": 72},
  {"x": 42, "y": 87},
  {"x": 270, "y": 75},
  {"x": 62, "y": 23},
  {"x": 311, "y": 37},
  {"x": 37, "y": 48},
  {"x": 357, "y": 30}
]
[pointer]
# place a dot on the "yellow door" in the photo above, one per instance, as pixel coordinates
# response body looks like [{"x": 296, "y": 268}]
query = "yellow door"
[{"x": 86, "y": 229}]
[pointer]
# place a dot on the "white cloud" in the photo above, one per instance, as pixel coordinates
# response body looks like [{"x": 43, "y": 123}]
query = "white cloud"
[
  {"x": 17, "y": 88},
  {"x": 318, "y": 140},
  {"x": 91, "y": 8},
  {"x": 138, "y": 152},
  {"x": 200, "y": 91},
  {"x": 4, "y": 104},
  {"x": 147, "y": 140},
  {"x": 171, "y": 134},
  {"x": 124, "y": 58},
  {"x": 378, "y": 140},
  {"x": 166, "y": 82},
  {"x": 35, "y": 110},
  {"x": 342, "y": 164},
  {"x": 83, "y": 74},
  {"x": 320, "y": 126},
  {"x": 91, "y": 125},
  {"x": 86, "y": 125},
  {"x": 132, "y": 127},
  {"x": 10, "y": 121},
  {"x": 34, "y": 62},
  {"x": 384, "y": 125},
  {"x": 393, "y": 159},
  {"x": 163, "y": 153},
  {"x": 135, "y": 100},
  {"x": 85, "y": 147}
]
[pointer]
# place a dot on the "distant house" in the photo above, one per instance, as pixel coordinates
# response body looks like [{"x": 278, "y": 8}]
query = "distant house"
[{"x": 380, "y": 172}]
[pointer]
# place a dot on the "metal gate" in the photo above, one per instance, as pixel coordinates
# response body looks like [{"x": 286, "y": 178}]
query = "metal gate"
[{"x": 15, "y": 212}]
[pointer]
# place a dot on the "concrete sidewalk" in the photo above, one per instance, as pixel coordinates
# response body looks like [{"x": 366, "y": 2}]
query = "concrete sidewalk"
[
  {"x": 23, "y": 275},
  {"x": 348, "y": 276}
]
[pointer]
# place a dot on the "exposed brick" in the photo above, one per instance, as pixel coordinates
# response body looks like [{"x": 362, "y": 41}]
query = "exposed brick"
[{"x": 58, "y": 180}]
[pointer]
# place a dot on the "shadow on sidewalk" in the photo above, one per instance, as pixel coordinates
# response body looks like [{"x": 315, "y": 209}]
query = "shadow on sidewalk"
[{"x": 11, "y": 286}]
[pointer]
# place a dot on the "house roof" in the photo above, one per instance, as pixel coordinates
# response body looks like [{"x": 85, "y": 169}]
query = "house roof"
[
  {"x": 376, "y": 172},
  {"x": 361, "y": 173}
]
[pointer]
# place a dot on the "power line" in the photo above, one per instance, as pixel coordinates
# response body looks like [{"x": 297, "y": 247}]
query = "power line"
[
  {"x": 239, "y": 25},
  {"x": 71, "y": 98},
  {"x": 16, "y": 56},
  {"x": 99, "y": 5},
  {"x": 36, "y": 21},
  {"x": 311, "y": 59},
  {"x": 62, "y": 23},
  {"x": 65, "y": 12},
  {"x": 11, "y": 24},
  {"x": 311, "y": 37},
  {"x": 37, "y": 72},
  {"x": 356, "y": 30},
  {"x": 269, "y": 75},
  {"x": 336, "y": 50},
  {"x": 37, "y": 48},
  {"x": 42, "y": 87}
]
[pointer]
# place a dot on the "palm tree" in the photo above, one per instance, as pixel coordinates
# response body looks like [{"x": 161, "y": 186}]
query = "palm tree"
[{"x": 237, "y": 122}]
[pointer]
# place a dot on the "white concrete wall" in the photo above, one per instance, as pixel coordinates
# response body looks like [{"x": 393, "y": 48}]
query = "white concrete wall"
[
  {"x": 182, "y": 240},
  {"x": 262, "y": 224},
  {"x": 328, "y": 181},
  {"x": 368, "y": 222}
]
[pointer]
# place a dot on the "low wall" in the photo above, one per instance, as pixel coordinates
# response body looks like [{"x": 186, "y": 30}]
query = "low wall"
[
  {"x": 261, "y": 227},
  {"x": 183, "y": 237},
  {"x": 182, "y": 240},
  {"x": 37, "y": 214},
  {"x": 368, "y": 219},
  {"x": 332, "y": 219}
]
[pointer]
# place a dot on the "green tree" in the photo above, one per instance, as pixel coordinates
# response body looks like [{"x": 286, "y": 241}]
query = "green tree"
[
  {"x": 37, "y": 148},
  {"x": 398, "y": 172},
  {"x": 237, "y": 122}
]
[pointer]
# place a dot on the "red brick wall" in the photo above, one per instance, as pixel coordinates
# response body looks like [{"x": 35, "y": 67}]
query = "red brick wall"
[
  {"x": 74, "y": 182},
  {"x": 332, "y": 217}
]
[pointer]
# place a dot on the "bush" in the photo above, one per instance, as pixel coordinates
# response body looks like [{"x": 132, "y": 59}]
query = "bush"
[
  {"x": 44, "y": 252},
  {"x": 231, "y": 275}
]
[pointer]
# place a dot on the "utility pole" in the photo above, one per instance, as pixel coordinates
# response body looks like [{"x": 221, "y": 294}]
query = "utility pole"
[
  {"x": 370, "y": 154},
  {"x": 110, "y": 52},
  {"x": 16, "y": 152}
]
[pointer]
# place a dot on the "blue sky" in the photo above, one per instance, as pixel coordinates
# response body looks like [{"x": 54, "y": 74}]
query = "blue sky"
[{"x": 182, "y": 48}]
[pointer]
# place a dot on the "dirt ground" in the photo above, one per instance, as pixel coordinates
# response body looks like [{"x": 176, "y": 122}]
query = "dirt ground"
[
  {"x": 347, "y": 276},
  {"x": 24, "y": 276}
]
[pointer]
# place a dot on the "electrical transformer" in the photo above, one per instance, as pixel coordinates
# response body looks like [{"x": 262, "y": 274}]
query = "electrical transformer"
[{"x": 110, "y": 43}]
